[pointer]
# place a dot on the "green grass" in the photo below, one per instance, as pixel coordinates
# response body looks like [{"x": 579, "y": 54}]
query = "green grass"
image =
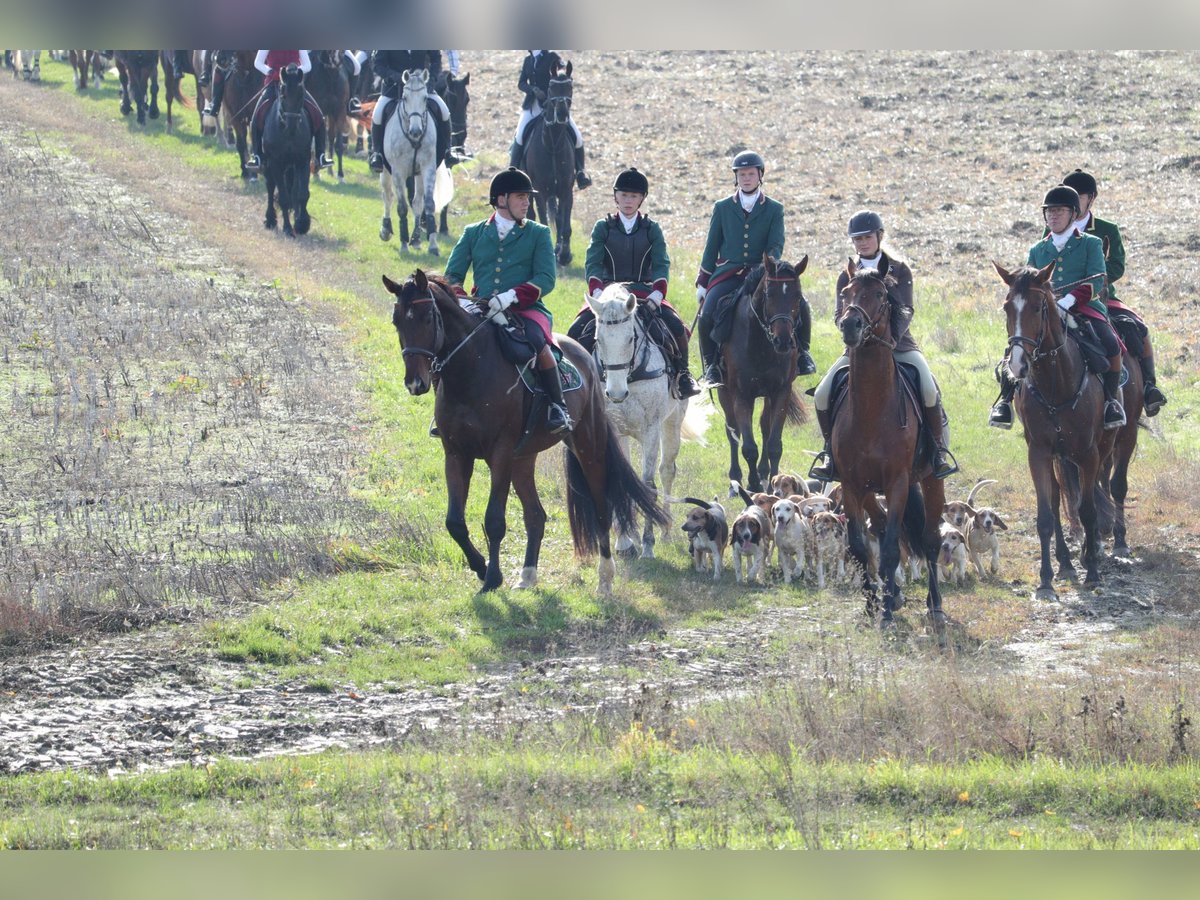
[{"x": 643, "y": 792}]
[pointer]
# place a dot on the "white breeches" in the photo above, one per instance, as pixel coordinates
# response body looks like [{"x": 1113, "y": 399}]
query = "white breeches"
[
  {"x": 929, "y": 389},
  {"x": 528, "y": 115}
]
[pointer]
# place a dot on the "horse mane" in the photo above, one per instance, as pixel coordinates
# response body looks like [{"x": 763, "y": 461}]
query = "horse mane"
[
  {"x": 753, "y": 279},
  {"x": 452, "y": 297},
  {"x": 1023, "y": 278}
]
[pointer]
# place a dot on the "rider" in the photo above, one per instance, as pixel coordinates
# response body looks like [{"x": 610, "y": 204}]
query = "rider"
[
  {"x": 536, "y": 71},
  {"x": 270, "y": 63},
  {"x": 744, "y": 226},
  {"x": 1078, "y": 281},
  {"x": 512, "y": 260},
  {"x": 629, "y": 247},
  {"x": 866, "y": 232},
  {"x": 390, "y": 66},
  {"x": 1128, "y": 323}
]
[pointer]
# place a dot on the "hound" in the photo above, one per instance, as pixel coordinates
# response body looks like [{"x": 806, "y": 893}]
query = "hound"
[
  {"x": 751, "y": 537},
  {"x": 952, "y": 557},
  {"x": 791, "y": 536},
  {"x": 829, "y": 544},
  {"x": 707, "y": 529}
]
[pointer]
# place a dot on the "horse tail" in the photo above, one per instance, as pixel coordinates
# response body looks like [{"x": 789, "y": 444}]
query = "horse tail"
[
  {"x": 914, "y": 519},
  {"x": 794, "y": 411},
  {"x": 695, "y": 420},
  {"x": 624, "y": 493},
  {"x": 1106, "y": 509},
  {"x": 177, "y": 95}
]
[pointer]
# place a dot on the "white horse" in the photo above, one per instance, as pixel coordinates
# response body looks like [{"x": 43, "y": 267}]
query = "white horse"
[
  {"x": 638, "y": 398},
  {"x": 27, "y": 64},
  {"x": 410, "y": 145}
]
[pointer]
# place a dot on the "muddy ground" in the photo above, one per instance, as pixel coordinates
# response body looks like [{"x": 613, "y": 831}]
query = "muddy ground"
[{"x": 197, "y": 404}]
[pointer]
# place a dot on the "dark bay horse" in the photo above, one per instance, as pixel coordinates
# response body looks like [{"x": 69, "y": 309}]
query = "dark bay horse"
[
  {"x": 875, "y": 440},
  {"x": 1061, "y": 408},
  {"x": 480, "y": 416},
  {"x": 330, "y": 87},
  {"x": 138, "y": 70},
  {"x": 171, "y": 82},
  {"x": 287, "y": 151},
  {"x": 760, "y": 361},
  {"x": 550, "y": 161},
  {"x": 243, "y": 83}
]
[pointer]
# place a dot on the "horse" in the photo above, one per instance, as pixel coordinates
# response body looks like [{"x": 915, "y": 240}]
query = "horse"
[
  {"x": 243, "y": 84},
  {"x": 27, "y": 64},
  {"x": 410, "y": 147},
  {"x": 202, "y": 62},
  {"x": 1061, "y": 409},
  {"x": 171, "y": 82},
  {"x": 550, "y": 161},
  {"x": 875, "y": 440},
  {"x": 287, "y": 151},
  {"x": 329, "y": 86},
  {"x": 138, "y": 70},
  {"x": 454, "y": 92},
  {"x": 481, "y": 416},
  {"x": 637, "y": 388},
  {"x": 760, "y": 361},
  {"x": 81, "y": 60}
]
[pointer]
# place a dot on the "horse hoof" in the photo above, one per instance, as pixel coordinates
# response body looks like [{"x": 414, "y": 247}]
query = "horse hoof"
[
  {"x": 629, "y": 552},
  {"x": 1122, "y": 551},
  {"x": 1068, "y": 574},
  {"x": 1045, "y": 593},
  {"x": 269, "y": 224},
  {"x": 1091, "y": 584},
  {"x": 341, "y": 179},
  {"x": 528, "y": 578},
  {"x": 433, "y": 250}
]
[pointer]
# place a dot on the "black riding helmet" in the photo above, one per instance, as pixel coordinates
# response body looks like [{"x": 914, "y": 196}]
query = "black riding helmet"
[
  {"x": 748, "y": 158},
  {"x": 1061, "y": 195},
  {"x": 632, "y": 181},
  {"x": 511, "y": 180},
  {"x": 1082, "y": 182},
  {"x": 864, "y": 222}
]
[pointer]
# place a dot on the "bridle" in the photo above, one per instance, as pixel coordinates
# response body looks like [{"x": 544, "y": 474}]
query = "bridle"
[
  {"x": 1033, "y": 345},
  {"x": 789, "y": 317},
  {"x": 439, "y": 337},
  {"x": 885, "y": 309}
]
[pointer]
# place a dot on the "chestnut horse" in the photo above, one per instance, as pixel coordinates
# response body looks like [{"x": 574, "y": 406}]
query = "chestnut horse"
[
  {"x": 1061, "y": 409},
  {"x": 481, "y": 414},
  {"x": 875, "y": 440},
  {"x": 760, "y": 361}
]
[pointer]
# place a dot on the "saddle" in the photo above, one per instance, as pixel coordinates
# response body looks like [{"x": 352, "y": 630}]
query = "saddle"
[
  {"x": 909, "y": 384},
  {"x": 520, "y": 341},
  {"x": 723, "y": 314},
  {"x": 1089, "y": 346}
]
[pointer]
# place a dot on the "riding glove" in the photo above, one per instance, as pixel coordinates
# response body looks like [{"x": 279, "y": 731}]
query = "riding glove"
[
  {"x": 701, "y": 293},
  {"x": 501, "y": 302},
  {"x": 596, "y": 293},
  {"x": 653, "y": 299},
  {"x": 1066, "y": 302}
]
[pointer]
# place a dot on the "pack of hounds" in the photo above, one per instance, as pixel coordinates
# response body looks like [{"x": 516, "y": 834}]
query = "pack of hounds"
[{"x": 801, "y": 525}]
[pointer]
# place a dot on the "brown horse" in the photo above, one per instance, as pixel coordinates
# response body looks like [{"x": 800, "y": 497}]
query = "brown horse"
[
  {"x": 171, "y": 83},
  {"x": 875, "y": 441},
  {"x": 243, "y": 84},
  {"x": 1061, "y": 409},
  {"x": 760, "y": 361},
  {"x": 481, "y": 416},
  {"x": 329, "y": 86},
  {"x": 138, "y": 71}
]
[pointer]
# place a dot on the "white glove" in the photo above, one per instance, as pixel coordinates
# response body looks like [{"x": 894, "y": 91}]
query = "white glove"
[
  {"x": 1066, "y": 302},
  {"x": 596, "y": 293},
  {"x": 501, "y": 302},
  {"x": 701, "y": 293},
  {"x": 653, "y": 299}
]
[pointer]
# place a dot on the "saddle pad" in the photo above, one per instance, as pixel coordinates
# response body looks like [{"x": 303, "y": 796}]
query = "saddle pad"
[
  {"x": 568, "y": 374},
  {"x": 910, "y": 384}
]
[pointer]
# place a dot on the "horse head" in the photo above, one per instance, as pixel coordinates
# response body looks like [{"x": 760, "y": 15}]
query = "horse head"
[
  {"x": 291, "y": 96},
  {"x": 413, "y": 103},
  {"x": 616, "y": 338},
  {"x": 559, "y": 95},
  {"x": 1027, "y": 307},
  {"x": 420, "y": 327},
  {"x": 867, "y": 308},
  {"x": 777, "y": 302}
]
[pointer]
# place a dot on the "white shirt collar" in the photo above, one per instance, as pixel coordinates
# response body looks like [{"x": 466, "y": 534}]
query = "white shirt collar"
[
  {"x": 748, "y": 200},
  {"x": 503, "y": 225},
  {"x": 1082, "y": 224},
  {"x": 872, "y": 263},
  {"x": 629, "y": 223},
  {"x": 1060, "y": 240}
]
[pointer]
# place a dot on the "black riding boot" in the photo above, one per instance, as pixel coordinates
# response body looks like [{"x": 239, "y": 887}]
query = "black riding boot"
[
  {"x": 515, "y": 152},
  {"x": 218, "y": 94},
  {"x": 826, "y": 472},
  {"x": 1154, "y": 399},
  {"x": 376, "y": 159},
  {"x": 558, "y": 419},
  {"x": 687, "y": 384},
  {"x": 804, "y": 360},
  {"x": 944, "y": 463},
  {"x": 1114, "y": 410},
  {"x": 443, "y": 135},
  {"x": 1002, "y": 413},
  {"x": 323, "y": 161},
  {"x": 581, "y": 178},
  {"x": 709, "y": 355}
]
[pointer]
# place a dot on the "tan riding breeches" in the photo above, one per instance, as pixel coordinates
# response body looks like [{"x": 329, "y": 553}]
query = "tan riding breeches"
[{"x": 929, "y": 389}]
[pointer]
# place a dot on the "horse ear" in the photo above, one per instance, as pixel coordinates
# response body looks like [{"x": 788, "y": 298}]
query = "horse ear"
[
  {"x": 1005, "y": 275},
  {"x": 424, "y": 73},
  {"x": 851, "y": 269},
  {"x": 769, "y": 265},
  {"x": 802, "y": 265},
  {"x": 421, "y": 280},
  {"x": 404, "y": 75},
  {"x": 1043, "y": 275},
  {"x": 591, "y": 303},
  {"x": 569, "y": 64},
  {"x": 391, "y": 285},
  {"x": 465, "y": 80},
  {"x": 631, "y": 303}
]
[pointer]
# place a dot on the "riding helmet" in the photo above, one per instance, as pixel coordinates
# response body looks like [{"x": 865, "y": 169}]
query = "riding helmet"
[
  {"x": 511, "y": 180},
  {"x": 1082, "y": 182},
  {"x": 748, "y": 158},
  {"x": 1062, "y": 195},
  {"x": 864, "y": 222},
  {"x": 633, "y": 181}
]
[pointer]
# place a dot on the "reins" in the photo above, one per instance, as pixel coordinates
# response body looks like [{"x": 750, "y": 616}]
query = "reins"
[{"x": 439, "y": 337}]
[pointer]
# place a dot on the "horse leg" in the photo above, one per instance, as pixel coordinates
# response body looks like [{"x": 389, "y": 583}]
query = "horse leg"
[
  {"x": 429, "y": 221},
  {"x": 494, "y": 525},
  {"x": 270, "y": 221},
  {"x": 651, "y": 445},
  {"x": 1047, "y": 516},
  {"x": 154, "y": 91},
  {"x": 240, "y": 140},
  {"x": 286, "y": 199},
  {"x": 385, "y": 224},
  {"x": 534, "y": 515},
  {"x": 745, "y": 425},
  {"x": 402, "y": 215},
  {"x": 770, "y": 425},
  {"x": 856, "y": 539},
  {"x": 729, "y": 408},
  {"x": 928, "y": 527},
  {"x": 565, "y": 206},
  {"x": 1066, "y": 568},
  {"x": 444, "y": 225},
  {"x": 1119, "y": 488},
  {"x": 1088, "y": 474},
  {"x": 458, "y": 483},
  {"x": 889, "y": 546}
]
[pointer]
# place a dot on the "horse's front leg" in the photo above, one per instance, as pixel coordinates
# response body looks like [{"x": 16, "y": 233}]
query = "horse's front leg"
[
  {"x": 534, "y": 514},
  {"x": 154, "y": 92},
  {"x": 856, "y": 539},
  {"x": 1047, "y": 516},
  {"x": 270, "y": 220},
  {"x": 402, "y": 214},
  {"x": 651, "y": 445},
  {"x": 729, "y": 409},
  {"x": 494, "y": 524},
  {"x": 933, "y": 501},
  {"x": 427, "y": 220},
  {"x": 1066, "y": 569},
  {"x": 385, "y": 224},
  {"x": 458, "y": 483},
  {"x": 770, "y": 424},
  {"x": 1088, "y": 478},
  {"x": 889, "y": 548},
  {"x": 745, "y": 426}
]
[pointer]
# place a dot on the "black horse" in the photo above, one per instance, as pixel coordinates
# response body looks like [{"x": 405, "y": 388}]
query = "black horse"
[
  {"x": 138, "y": 70},
  {"x": 550, "y": 161},
  {"x": 287, "y": 150}
]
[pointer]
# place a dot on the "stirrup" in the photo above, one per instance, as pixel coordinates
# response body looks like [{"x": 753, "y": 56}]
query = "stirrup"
[
  {"x": 826, "y": 472},
  {"x": 558, "y": 419},
  {"x": 1154, "y": 400},
  {"x": 1001, "y": 416},
  {"x": 948, "y": 467},
  {"x": 1113, "y": 421},
  {"x": 712, "y": 375},
  {"x": 376, "y": 162}
]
